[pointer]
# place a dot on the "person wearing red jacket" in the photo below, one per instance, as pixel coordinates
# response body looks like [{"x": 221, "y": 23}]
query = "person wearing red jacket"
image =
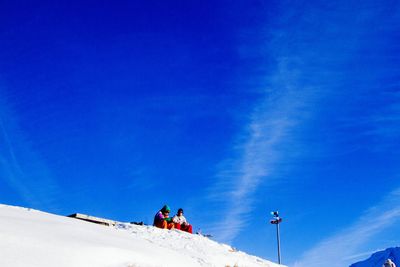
[{"x": 180, "y": 222}]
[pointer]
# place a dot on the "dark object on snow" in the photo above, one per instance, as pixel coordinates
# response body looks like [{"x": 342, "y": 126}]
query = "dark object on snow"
[
  {"x": 137, "y": 223},
  {"x": 205, "y": 235},
  {"x": 93, "y": 219}
]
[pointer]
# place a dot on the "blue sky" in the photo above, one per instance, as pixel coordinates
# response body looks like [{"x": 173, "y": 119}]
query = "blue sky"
[{"x": 227, "y": 109}]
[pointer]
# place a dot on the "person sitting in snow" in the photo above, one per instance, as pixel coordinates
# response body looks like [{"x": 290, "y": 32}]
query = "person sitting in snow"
[
  {"x": 162, "y": 219},
  {"x": 181, "y": 223},
  {"x": 389, "y": 263}
]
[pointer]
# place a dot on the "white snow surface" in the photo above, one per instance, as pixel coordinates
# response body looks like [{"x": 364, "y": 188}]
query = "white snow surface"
[{"x": 39, "y": 239}]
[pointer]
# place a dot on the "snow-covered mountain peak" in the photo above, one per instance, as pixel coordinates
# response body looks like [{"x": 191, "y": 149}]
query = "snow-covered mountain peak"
[{"x": 377, "y": 259}]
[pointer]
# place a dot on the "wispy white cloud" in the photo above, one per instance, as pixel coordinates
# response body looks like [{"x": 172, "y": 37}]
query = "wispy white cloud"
[
  {"x": 10, "y": 168},
  {"x": 341, "y": 248},
  {"x": 272, "y": 124},
  {"x": 20, "y": 166},
  {"x": 309, "y": 69},
  {"x": 362, "y": 255}
]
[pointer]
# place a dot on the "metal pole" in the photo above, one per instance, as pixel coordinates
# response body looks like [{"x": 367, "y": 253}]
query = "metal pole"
[
  {"x": 277, "y": 220},
  {"x": 279, "y": 243}
]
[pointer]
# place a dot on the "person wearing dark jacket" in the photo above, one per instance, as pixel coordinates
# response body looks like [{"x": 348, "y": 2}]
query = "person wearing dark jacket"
[{"x": 162, "y": 219}]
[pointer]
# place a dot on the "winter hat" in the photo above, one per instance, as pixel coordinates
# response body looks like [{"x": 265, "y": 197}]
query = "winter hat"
[
  {"x": 180, "y": 210},
  {"x": 165, "y": 208}
]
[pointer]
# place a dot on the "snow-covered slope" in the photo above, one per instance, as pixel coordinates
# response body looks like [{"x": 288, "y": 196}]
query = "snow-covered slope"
[
  {"x": 38, "y": 239},
  {"x": 377, "y": 259}
]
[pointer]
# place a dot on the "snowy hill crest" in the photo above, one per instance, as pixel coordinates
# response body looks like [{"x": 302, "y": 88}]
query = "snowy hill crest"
[{"x": 35, "y": 238}]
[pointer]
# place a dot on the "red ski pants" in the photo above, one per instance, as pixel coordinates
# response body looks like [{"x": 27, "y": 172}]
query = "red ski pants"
[{"x": 183, "y": 227}]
